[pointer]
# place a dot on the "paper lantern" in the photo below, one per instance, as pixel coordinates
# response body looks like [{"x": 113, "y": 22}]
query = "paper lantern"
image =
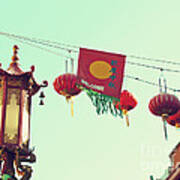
[
  {"x": 65, "y": 85},
  {"x": 164, "y": 105},
  {"x": 127, "y": 102}
]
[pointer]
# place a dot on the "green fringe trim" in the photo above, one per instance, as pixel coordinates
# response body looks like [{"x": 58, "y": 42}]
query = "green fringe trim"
[
  {"x": 6, "y": 177},
  {"x": 103, "y": 103}
]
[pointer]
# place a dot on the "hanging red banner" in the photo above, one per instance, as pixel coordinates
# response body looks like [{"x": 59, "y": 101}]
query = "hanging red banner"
[{"x": 101, "y": 71}]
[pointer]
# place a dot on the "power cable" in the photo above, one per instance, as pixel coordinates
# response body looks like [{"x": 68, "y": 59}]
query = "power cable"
[
  {"x": 46, "y": 43},
  {"x": 39, "y": 47},
  {"x": 49, "y": 43},
  {"x": 38, "y": 42},
  {"x": 153, "y": 67},
  {"x": 127, "y": 76},
  {"x": 150, "y": 83},
  {"x": 55, "y": 42},
  {"x": 154, "y": 60}
]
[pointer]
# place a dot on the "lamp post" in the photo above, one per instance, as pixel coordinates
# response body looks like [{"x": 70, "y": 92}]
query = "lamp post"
[{"x": 16, "y": 91}]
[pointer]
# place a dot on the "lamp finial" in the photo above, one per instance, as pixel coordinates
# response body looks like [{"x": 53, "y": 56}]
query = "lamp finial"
[{"x": 15, "y": 57}]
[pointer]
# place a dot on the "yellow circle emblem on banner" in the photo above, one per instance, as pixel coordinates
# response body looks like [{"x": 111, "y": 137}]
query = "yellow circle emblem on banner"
[{"x": 100, "y": 69}]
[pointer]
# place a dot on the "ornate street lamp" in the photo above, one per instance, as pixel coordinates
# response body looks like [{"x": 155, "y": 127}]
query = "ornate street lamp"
[{"x": 16, "y": 90}]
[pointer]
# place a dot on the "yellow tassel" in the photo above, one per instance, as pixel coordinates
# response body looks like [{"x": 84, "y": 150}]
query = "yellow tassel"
[
  {"x": 125, "y": 112},
  {"x": 72, "y": 107},
  {"x": 69, "y": 99},
  {"x": 177, "y": 125}
]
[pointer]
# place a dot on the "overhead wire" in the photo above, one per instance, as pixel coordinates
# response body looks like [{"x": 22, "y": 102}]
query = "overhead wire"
[
  {"x": 154, "y": 60},
  {"x": 71, "y": 50},
  {"x": 73, "y": 47},
  {"x": 150, "y": 83},
  {"x": 55, "y": 42},
  {"x": 127, "y": 76},
  {"x": 24, "y": 40},
  {"x": 42, "y": 48},
  {"x": 153, "y": 67},
  {"x": 38, "y": 42}
]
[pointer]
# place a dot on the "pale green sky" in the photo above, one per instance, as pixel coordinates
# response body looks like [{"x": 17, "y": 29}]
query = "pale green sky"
[{"x": 88, "y": 146}]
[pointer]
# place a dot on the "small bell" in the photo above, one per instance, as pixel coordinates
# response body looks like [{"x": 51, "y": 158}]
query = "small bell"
[
  {"x": 41, "y": 102},
  {"x": 42, "y": 95}
]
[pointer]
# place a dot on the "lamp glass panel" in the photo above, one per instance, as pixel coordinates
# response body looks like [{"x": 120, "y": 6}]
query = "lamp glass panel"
[
  {"x": 25, "y": 117},
  {"x": 12, "y": 116}
]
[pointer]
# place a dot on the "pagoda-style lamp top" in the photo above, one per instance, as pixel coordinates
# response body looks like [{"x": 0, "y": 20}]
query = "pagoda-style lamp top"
[{"x": 14, "y": 66}]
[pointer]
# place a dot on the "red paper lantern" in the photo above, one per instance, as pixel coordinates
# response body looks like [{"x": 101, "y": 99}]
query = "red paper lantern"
[
  {"x": 164, "y": 105},
  {"x": 174, "y": 120},
  {"x": 66, "y": 85},
  {"x": 127, "y": 102}
]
